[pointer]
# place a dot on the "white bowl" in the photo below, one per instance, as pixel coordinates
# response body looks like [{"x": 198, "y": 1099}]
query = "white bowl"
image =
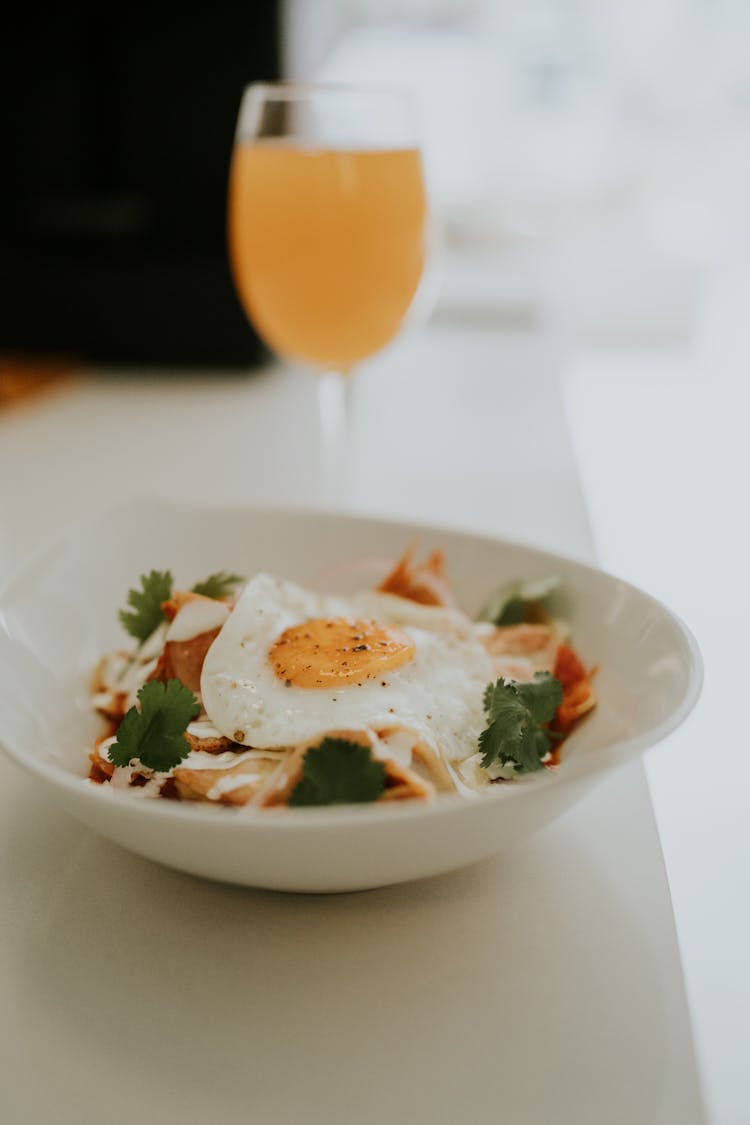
[{"x": 59, "y": 613}]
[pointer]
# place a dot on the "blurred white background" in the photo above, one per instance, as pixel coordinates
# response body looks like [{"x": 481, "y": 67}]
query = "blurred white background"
[{"x": 588, "y": 160}]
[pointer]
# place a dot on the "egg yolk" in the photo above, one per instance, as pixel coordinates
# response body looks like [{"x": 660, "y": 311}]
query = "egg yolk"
[{"x": 336, "y": 651}]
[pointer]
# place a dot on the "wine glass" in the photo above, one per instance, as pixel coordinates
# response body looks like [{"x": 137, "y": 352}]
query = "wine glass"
[{"x": 327, "y": 230}]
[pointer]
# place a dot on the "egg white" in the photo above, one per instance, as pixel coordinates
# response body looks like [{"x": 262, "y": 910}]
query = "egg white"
[{"x": 437, "y": 694}]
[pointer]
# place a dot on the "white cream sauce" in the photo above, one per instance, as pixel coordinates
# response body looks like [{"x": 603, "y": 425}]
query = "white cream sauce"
[
  {"x": 203, "y": 728},
  {"x": 199, "y": 615}
]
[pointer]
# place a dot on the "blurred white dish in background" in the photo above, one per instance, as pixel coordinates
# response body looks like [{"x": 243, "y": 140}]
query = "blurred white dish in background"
[{"x": 56, "y": 618}]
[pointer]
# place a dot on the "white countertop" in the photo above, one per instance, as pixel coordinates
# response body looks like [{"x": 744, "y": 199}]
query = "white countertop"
[{"x": 543, "y": 986}]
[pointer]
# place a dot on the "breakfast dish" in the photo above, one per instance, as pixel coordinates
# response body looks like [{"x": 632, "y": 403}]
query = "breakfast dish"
[
  {"x": 58, "y": 618},
  {"x": 265, "y": 693}
]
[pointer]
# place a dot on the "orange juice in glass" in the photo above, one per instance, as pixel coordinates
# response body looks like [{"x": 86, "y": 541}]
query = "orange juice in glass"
[{"x": 327, "y": 219}]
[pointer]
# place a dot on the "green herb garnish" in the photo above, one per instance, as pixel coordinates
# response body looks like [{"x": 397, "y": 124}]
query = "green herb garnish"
[
  {"x": 515, "y": 714},
  {"x": 155, "y": 734},
  {"x": 218, "y": 585},
  {"x": 338, "y": 772},
  {"x": 146, "y": 613},
  {"x": 518, "y": 601}
]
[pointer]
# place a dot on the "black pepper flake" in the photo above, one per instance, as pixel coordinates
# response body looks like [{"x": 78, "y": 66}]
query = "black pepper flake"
[
  {"x": 361, "y": 648},
  {"x": 383, "y": 683},
  {"x": 287, "y": 683}
]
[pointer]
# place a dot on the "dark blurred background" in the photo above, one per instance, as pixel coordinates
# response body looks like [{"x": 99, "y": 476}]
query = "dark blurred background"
[{"x": 116, "y": 147}]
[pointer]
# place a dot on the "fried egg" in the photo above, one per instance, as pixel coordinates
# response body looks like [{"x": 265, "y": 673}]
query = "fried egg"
[{"x": 290, "y": 665}]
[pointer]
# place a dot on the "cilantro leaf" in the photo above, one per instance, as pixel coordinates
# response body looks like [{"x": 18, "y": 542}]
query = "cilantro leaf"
[
  {"x": 516, "y": 601},
  {"x": 542, "y": 696},
  {"x": 147, "y": 614},
  {"x": 218, "y": 585},
  {"x": 155, "y": 733},
  {"x": 515, "y": 714},
  {"x": 338, "y": 772}
]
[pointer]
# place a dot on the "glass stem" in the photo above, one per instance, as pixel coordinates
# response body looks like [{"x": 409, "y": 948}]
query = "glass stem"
[{"x": 335, "y": 408}]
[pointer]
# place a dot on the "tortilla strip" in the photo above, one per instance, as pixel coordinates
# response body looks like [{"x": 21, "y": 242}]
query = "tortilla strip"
[
  {"x": 218, "y": 744},
  {"x": 101, "y": 768},
  {"x": 277, "y": 788},
  {"x": 183, "y": 660},
  {"x": 438, "y": 774},
  {"x": 519, "y": 651},
  {"x": 401, "y": 781},
  {"x": 402, "y": 784},
  {"x": 421, "y": 582},
  {"x": 197, "y": 785}
]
